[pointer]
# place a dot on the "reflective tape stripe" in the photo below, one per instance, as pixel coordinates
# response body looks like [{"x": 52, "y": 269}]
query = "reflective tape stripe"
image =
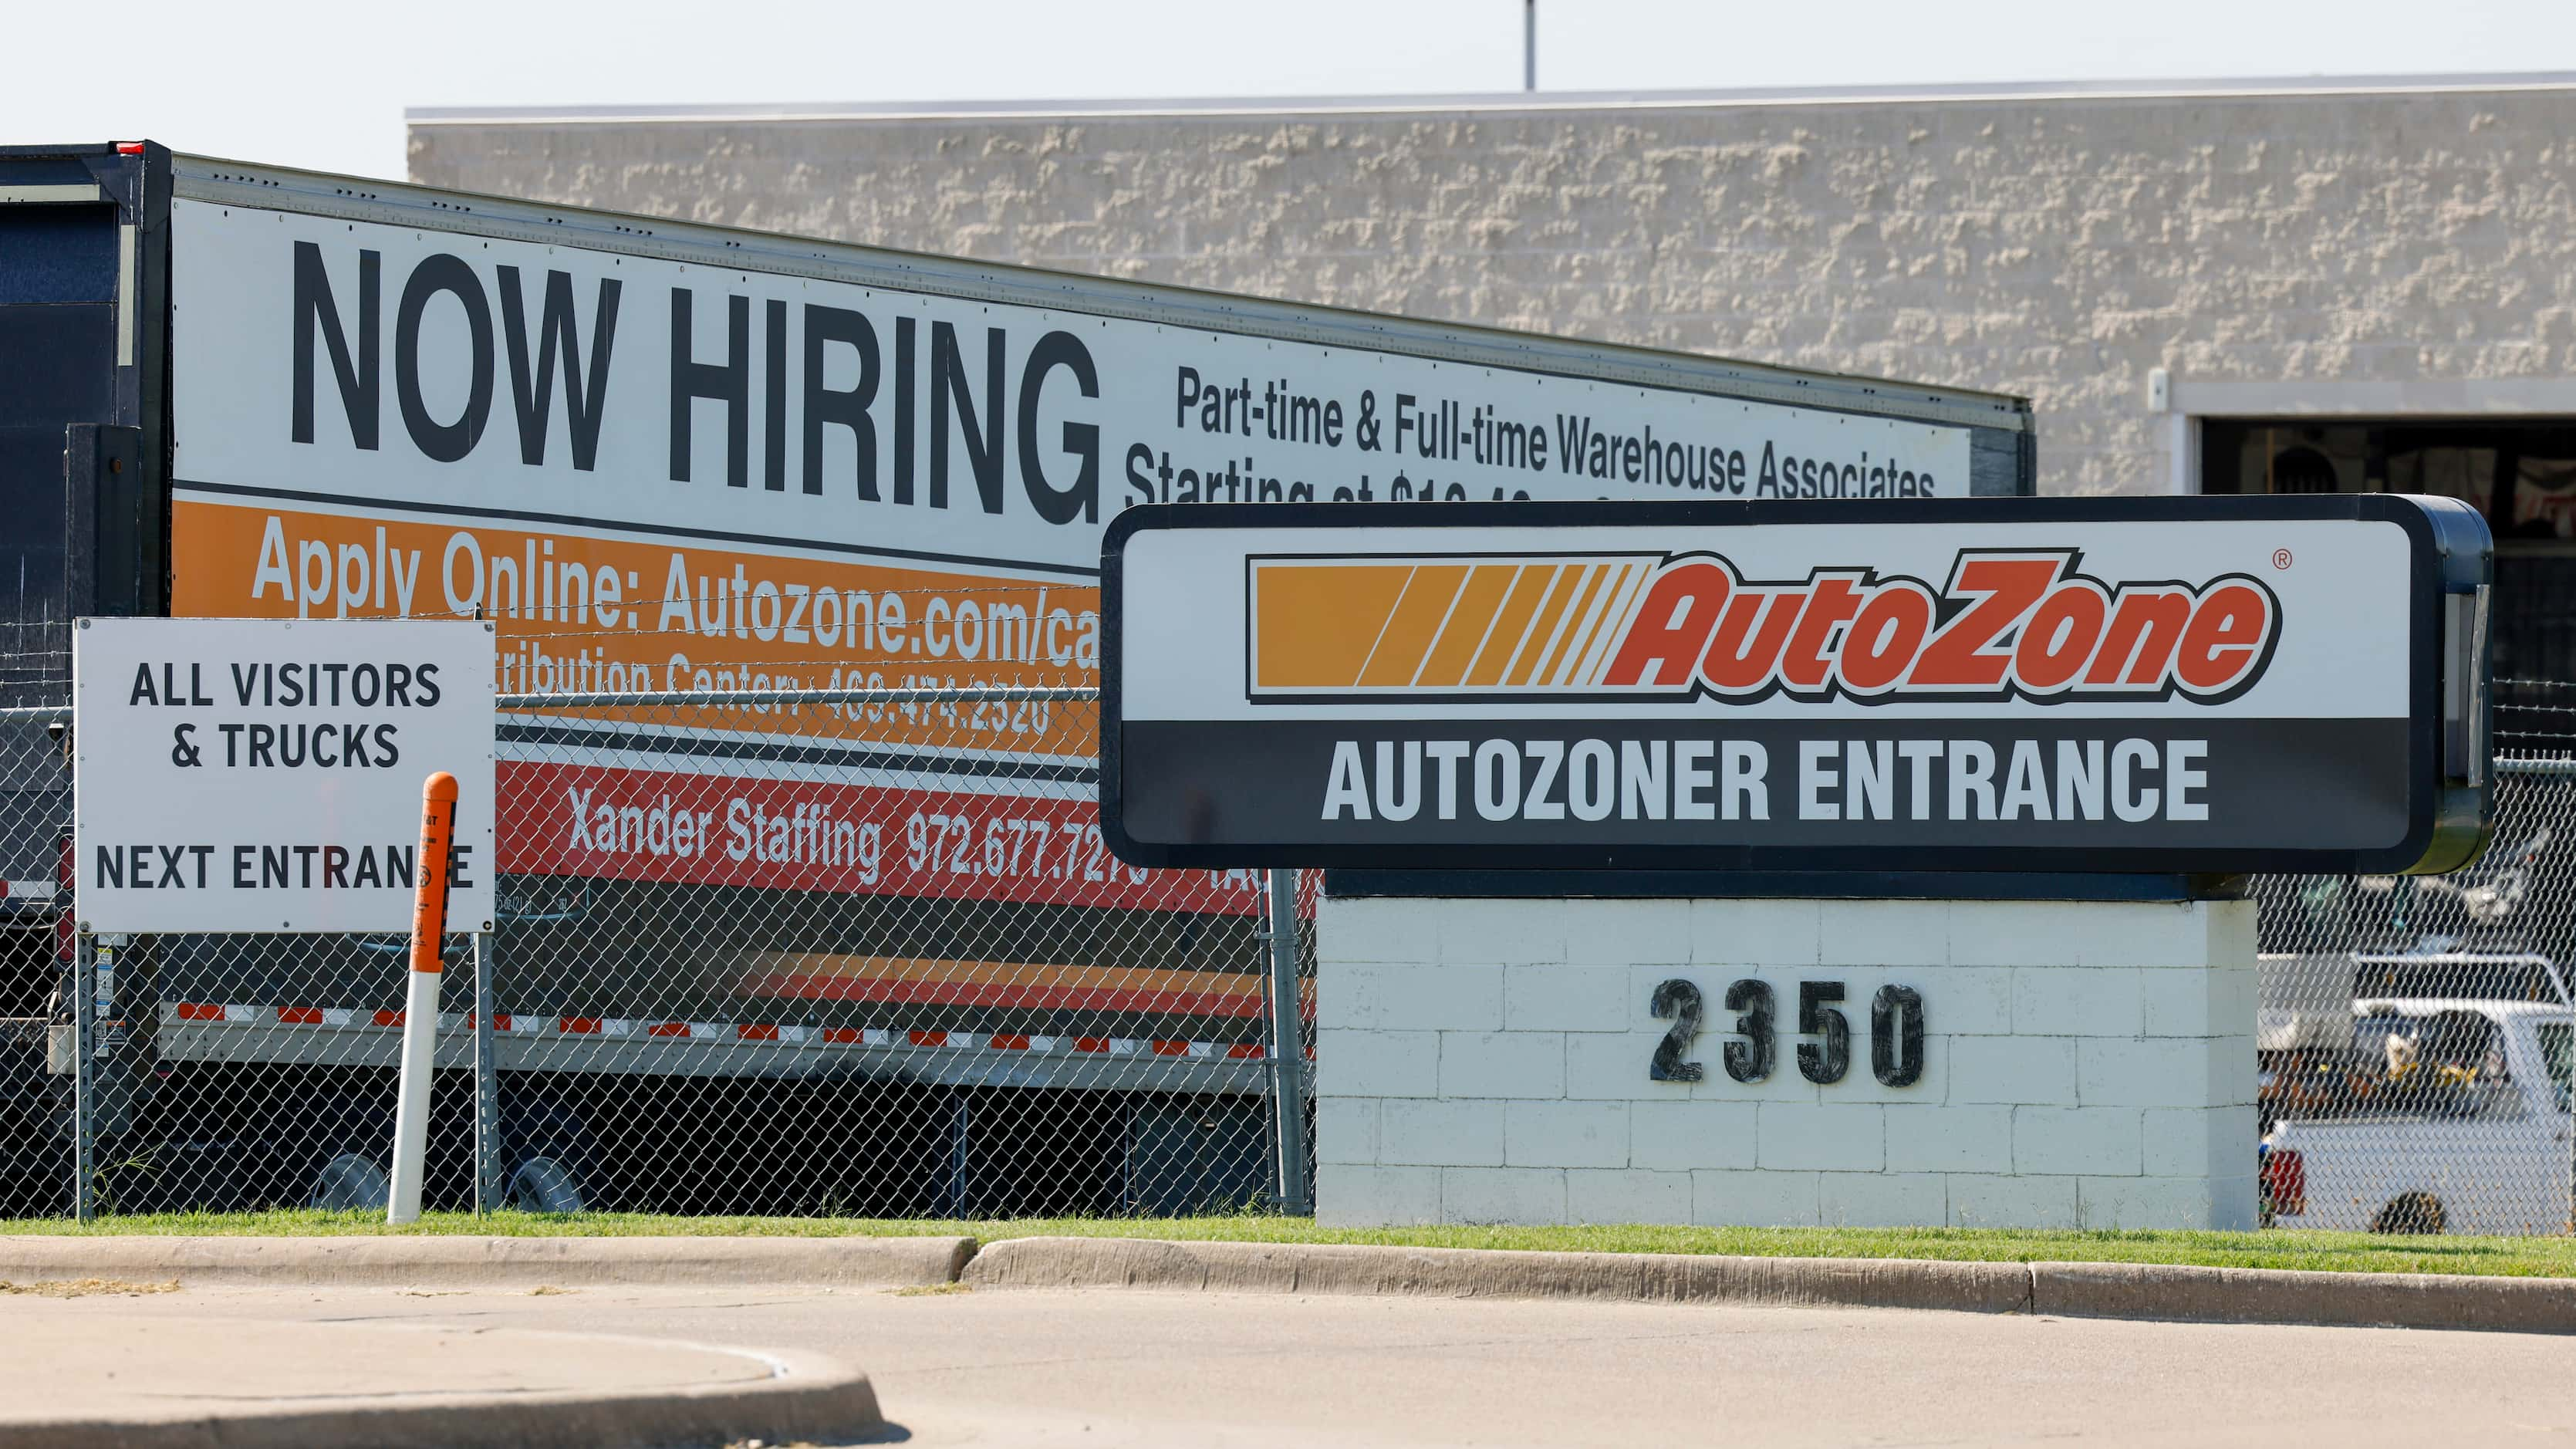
[{"x": 749, "y": 1033}]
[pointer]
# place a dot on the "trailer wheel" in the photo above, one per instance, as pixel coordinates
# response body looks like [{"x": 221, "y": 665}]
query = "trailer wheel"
[
  {"x": 544, "y": 1185},
  {"x": 350, "y": 1181},
  {"x": 337, "y": 1157},
  {"x": 2412, "y": 1212},
  {"x": 547, "y": 1148}
]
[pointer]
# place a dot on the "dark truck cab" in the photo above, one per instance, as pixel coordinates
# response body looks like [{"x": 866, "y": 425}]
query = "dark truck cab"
[
  {"x": 84, "y": 448},
  {"x": 84, "y": 455}
]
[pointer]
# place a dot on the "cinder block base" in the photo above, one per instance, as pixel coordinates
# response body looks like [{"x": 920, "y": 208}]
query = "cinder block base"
[{"x": 2082, "y": 1064}]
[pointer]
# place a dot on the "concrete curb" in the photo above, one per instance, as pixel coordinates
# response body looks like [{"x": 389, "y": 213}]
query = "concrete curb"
[
  {"x": 1487, "y": 1273},
  {"x": 2075, "y": 1290},
  {"x": 466, "y": 1262},
  {"x": 2275, "y": 1295},
  {"x": 808, "y": 1397},
  {"x": 2081, "y": 1290}
]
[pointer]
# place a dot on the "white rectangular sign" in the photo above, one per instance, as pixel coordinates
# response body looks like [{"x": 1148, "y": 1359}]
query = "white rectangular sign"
[
  {"x": 2007, "y": 684},
  {"x": 265, "y": 775}
]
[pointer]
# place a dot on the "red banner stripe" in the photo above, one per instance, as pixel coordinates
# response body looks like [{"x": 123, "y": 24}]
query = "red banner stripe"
[{"x": 658, "y": 825}]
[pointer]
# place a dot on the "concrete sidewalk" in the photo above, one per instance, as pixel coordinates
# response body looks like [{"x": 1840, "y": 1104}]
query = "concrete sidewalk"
[
  {"x": 1127, "y": 1369},
  {"x": 91, "y": 1373}
]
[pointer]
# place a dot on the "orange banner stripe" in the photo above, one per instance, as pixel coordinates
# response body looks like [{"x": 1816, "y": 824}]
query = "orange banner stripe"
[{"x": 581, "y": 613}]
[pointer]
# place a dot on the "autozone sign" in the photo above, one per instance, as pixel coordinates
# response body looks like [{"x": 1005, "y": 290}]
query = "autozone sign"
[
  {"x": 2005, "y": 623},
  {"x": 2195, "y": 685}
]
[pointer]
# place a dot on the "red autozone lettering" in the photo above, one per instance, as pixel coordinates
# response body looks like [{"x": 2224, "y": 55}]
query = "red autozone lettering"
[{"x": 2020, "y": 623}]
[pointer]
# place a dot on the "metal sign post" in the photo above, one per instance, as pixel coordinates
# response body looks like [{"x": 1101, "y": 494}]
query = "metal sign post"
[
  {"x": 487, "y": 1085},
  {"x": 84, "y": 1081},
  {"x": 1287, "y": 1045}
]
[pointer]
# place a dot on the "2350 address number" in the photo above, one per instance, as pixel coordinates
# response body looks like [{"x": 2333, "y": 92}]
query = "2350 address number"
[{"x": 1895, "y": 1033}]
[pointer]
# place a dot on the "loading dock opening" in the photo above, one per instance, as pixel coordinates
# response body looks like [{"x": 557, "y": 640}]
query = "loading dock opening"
[{"x": 2520, "y": 472}]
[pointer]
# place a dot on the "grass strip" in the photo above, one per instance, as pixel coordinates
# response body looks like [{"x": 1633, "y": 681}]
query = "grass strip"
[{"x": 2533, "y": 1257}]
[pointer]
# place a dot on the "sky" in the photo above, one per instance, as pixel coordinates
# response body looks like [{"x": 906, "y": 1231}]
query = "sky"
[{"x": 325, "y": 85}]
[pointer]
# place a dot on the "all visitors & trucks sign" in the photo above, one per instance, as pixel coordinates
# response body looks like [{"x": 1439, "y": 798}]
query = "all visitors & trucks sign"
[{"x": 265, "y": 775}]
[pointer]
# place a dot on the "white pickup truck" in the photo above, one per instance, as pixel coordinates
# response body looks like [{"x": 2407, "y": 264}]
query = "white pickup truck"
[{"x": 2442, "y": 1115}]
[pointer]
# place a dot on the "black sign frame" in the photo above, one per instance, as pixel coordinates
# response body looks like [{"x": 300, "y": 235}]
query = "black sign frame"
[{"x": 2450, "y": 806}]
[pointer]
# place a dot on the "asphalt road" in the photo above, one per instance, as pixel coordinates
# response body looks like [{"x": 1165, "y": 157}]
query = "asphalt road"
[{"x": 1130, "y": 1368}]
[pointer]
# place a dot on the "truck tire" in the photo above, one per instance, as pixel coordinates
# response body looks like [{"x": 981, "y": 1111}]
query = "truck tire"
[
  {"x": 545, "y": 1185},
  {"x": 547, "y": 1148},
  {"x": 350, "y": 1182},
  {"x": 342, "y": 1157},
  {"x": 2412, "y": 1212}
]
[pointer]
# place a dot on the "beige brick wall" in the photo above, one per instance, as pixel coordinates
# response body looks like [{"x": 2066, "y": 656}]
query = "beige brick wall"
[
  {"x": 2055, "y": 248},
  {"x": 2085, "y": 1064}
]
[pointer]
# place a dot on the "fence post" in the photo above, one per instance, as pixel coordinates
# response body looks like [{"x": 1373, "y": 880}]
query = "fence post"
[
  {"x": 84, "y": 1080},
  {"x": 487, "y": 1085},
  {"x": 1287, "y": 1047}
]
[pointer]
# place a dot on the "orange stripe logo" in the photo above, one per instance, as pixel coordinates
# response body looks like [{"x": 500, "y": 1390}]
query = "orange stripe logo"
[{"x": 1435, "y": 624}]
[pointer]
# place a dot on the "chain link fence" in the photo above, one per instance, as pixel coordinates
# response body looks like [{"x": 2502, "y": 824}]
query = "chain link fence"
[
  {"x": 759, "y": 948},
  {"x": 2413, "y": 1034},
  {"x": 859, "y": 950},
  {"x": 35, "y": 818}
]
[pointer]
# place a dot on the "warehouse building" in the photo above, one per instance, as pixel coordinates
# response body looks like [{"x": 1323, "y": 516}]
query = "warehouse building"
[{"x": 2227, "y": 287}]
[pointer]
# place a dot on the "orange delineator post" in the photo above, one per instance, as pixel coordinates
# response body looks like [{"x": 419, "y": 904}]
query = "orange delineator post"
[
  {"x": 420, "y": 997},
  {"x": 429, "y": 888}
]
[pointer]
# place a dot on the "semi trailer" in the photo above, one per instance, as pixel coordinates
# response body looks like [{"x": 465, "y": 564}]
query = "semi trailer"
[{"x": 815, "y": 944}]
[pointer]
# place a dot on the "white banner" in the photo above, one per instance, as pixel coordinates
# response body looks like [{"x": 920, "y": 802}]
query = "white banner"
[
  {"x": 257, "y": 775},
  {"x": 353, "y": 362}
]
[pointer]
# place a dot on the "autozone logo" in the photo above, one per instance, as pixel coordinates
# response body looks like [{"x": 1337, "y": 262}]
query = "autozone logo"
[{"x": 2001, "y": 624}]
